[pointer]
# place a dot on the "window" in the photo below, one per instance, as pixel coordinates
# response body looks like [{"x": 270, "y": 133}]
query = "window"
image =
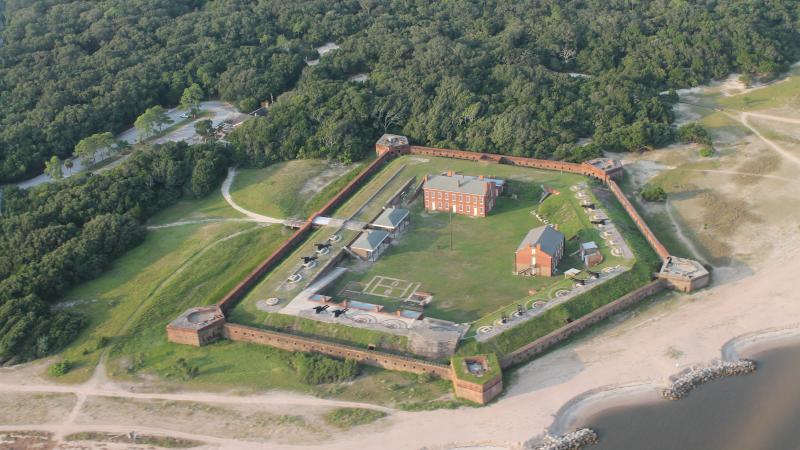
[
  {"x": 461, "y": 197},
  {"x": 446, "y": 196}
]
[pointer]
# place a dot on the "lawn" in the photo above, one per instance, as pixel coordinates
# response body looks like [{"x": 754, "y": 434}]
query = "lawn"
[
  {"x": 113, "y": 300},
  {"x": 474, "y": 279},
  {"x": 213, "y": 206},
  {"x": 780, "y": 93},
  {"x": 277, "y": 190}
]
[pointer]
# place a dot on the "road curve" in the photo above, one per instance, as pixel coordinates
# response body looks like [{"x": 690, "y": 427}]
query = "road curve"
[{"x": 226, "y": 192}]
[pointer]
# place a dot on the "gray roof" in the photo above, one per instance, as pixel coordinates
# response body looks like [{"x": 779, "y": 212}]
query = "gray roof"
[
  {"x": 393, "y": 139},
  {"x": 370, "y": 239},
  {"x": 589, "y": 245},
  {"x": 465, "y": 184},
  {"x": 391, "y": 217},
  {"x": 547, "y": 237}
]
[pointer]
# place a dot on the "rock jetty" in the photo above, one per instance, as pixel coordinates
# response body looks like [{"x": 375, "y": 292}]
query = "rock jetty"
[
  {"x": 576, "y": 440},
  {"x": 684, "y": 384}
]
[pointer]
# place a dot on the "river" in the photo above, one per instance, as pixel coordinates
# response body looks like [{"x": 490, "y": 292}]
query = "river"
[{"x": 753, "y": 412}]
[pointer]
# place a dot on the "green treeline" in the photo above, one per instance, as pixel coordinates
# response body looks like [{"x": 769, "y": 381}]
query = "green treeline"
[
  {"x": 59, "y": 234},
  {"x": 523, "y": 77},
  {"x": 499, "y": 75}
]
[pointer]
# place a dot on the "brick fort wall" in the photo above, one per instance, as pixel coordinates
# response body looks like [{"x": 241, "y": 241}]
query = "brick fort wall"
[{"x": 294, "y": 343}]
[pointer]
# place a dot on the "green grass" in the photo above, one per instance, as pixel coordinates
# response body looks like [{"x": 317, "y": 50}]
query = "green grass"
[
  {"x": 483, "y": 248},
  {"x": 275, "y": 190},
  {"x": 141, "y": 439},
  {"x": 346, "y": 418},
  {"x": 203, "y": 280},
  {"x": 213, "y": 206},
  {"x": 493, "y": 368},
  {"x": 778, "y": 94},
  {"x": 110, "y": 300},
  {"x": 358, "y": 337},
  {"x": 556, "y": 317}
]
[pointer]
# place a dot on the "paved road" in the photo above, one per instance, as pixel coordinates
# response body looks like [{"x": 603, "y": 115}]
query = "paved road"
[{"x": 220, "y": 112}]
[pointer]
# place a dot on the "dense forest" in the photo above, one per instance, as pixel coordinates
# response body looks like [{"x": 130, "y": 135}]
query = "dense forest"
[
  {"x": 59, "y": 234},
  {"x": 528, "y": 77},
  {"x": 562, "y": 79}
]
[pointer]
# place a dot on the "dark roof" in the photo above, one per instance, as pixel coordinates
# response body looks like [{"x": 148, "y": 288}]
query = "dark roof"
[
  {"x": 370, "y": 240},
  {"x": 391, "y": 218},
  {"x": 546, "y": 236}
]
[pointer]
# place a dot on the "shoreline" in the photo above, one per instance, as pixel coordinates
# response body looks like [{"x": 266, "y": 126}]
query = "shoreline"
[{"x": 588, "y": 404}]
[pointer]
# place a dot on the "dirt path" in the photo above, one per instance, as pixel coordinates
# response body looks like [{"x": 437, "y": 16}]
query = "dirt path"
[
  {"x": 742, "y": 118},
  {"x": 226, "y": 192},
  {"x": 100, "y": 386},
  {"x": 773, "y": 117},
  {"x": 733, "y": 172},
  {"x": 680, "y": 234}
]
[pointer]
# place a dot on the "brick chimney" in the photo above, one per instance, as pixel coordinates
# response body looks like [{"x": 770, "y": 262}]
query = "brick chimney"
[
  {"x": 449, "y": 173},
  {"x": 480, "y": 177}
]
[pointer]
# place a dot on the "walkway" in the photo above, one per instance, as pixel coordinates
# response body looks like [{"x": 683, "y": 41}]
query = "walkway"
[
  {"x": 742, "y": 118},
  {"x": 226, "y": 192},
  {"x": 100, "y": 386}
]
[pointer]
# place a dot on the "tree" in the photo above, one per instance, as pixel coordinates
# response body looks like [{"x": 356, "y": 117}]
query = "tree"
[
  {"x": 204, "y": 129},
  {"x": 190, "y": 100},
  {"x": 88, "y": 148},
  {"x": 653, "y": 193},
  {"x": 151, "y": 120},
  {"x": 53, "y": 168}
]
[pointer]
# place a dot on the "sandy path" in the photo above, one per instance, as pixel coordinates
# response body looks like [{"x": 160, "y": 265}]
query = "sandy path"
[
  {"x": 100, "y": 386},
  {"x": 773, "y": 117},
  {"x": 680, "y": 234},
  {"x": 742, "y": 118},
  {"x": 226, "y": 192},
  {"x": 733, "y": 172}
]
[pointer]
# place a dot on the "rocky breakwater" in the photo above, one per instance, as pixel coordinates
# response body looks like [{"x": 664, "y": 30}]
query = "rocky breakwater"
[
  {"x": 684, "y": 384},
  {"x": 575, "y": 440}
]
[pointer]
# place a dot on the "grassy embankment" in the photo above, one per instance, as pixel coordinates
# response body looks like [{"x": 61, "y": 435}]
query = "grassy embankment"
[
  {"x": 190, "y": 265},
  {"x": 647, "y": 261}
]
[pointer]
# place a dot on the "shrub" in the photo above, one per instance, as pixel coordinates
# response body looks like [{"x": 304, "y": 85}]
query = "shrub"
[
  {"x": 188, "y": 371},
  {"x": 707, "y": 151},
  {"x": 318, "y": 369},
  {"x": 60, "y": 368},
  {"x": 654, "y": 193},
  {"x": 694, "y": 132},
  {"x": 351, "y": 417}
]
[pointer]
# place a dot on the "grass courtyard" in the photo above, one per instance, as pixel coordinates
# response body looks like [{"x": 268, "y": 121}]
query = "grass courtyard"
[{"x": 474, "y": 278}]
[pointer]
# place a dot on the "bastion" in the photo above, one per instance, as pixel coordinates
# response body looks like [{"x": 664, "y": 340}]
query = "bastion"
[
  {"x": 477, "y": 378},
  {"x": 683, "y": 274}
]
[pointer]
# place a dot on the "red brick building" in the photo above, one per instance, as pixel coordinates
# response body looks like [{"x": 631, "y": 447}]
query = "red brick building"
[
  {"x": 462, "y": 194},
  {"x": 540, "y": 252}
]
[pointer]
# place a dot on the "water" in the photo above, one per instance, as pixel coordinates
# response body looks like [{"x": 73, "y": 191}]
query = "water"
[{"x": 753, "y": 412}]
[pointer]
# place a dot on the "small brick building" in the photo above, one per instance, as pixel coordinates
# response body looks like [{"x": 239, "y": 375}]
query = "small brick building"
[
  {"x": 539, "y": 253},
  {"x": 462, "y": 194},
  {"x": 590, "y": 254}
]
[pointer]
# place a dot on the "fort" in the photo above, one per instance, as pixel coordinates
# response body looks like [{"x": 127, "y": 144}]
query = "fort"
[{"x": 203, "y": 325}]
